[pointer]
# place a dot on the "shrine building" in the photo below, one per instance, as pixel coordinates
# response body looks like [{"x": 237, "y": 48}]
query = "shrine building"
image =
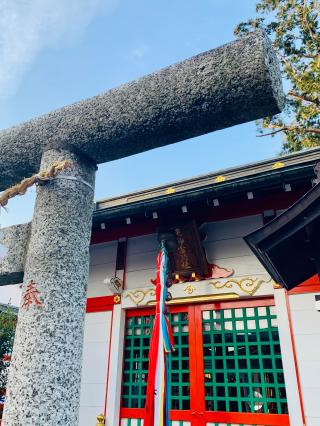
[{"x": 247, "y": 352}]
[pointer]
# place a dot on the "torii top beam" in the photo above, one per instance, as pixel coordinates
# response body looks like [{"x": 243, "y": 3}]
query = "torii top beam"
[{"x": 233, "y": 84}]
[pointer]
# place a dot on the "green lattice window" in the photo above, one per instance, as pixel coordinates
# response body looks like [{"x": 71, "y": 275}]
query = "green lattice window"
[
  {"x": 135, "y": 375},
  {"x": 137, "y": 342},
  {"x": 179, "y": 373},
  {"x": 242, "y": 361}
]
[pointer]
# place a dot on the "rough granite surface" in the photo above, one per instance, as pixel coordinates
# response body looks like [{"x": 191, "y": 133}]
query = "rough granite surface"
[
  {"x": 233, "y": 84},
  {"x": 44, "y": 380},
  {"x": 13, "y": 249}
]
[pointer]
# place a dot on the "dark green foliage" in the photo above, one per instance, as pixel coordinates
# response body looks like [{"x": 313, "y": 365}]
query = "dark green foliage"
[
  {"x": 293, "y": 26},
  {"x": 8, "y": 319}
]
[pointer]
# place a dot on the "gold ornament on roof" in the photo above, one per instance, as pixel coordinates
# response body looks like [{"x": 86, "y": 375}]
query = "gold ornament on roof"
[
  {"x": 170, "y": 191},
  {"x": 219, "y": 179},
  {"x": 278, "y": 165}
]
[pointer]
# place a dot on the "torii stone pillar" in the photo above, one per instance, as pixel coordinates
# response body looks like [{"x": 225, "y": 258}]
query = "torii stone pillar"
[
  {"x": 232, "y": 84},
  {"x": 45, "y": 372}
]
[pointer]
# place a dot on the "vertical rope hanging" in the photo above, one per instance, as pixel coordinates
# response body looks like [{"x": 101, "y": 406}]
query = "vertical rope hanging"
[{"x": 158, "y": 397}]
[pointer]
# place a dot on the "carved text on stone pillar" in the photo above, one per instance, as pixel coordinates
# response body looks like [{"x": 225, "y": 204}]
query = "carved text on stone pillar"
[{"x": 31, "y": 296}]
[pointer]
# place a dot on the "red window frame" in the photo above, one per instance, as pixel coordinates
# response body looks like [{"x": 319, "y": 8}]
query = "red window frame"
[{"x": 197, "y": 414}]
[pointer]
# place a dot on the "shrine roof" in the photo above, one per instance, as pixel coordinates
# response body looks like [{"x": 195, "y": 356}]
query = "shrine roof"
[
  {"x": 291, "y": 235},
  {"x": 272, "y": 172}
]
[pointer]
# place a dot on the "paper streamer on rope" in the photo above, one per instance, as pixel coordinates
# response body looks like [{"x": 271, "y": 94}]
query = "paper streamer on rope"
[{"x": 157, "y": 399}]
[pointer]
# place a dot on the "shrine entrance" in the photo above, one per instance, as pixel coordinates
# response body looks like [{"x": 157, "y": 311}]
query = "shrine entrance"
[{"x": 226, "y": 368}]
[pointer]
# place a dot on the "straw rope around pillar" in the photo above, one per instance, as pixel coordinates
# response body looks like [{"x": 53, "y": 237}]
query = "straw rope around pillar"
[{"x": 44, "y": 175}]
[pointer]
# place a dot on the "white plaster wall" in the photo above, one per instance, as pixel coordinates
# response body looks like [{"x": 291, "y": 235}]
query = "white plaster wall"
[
  {"x": 102, "y": 265},
  {"x": 94, "y": 366},
  {"x": 306, "y": 330},
  {"x": 116, "y": 356},
  {"x": 287, "y": 356},
  {"x": 141, "y": 261},
  {"x": 225, "y": 247}
]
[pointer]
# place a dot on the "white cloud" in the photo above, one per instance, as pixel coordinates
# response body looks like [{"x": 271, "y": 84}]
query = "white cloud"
[{"x": 28, "y": 27}]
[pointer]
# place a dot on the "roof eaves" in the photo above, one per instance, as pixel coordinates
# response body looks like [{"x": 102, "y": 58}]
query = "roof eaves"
[{"x": 265, "y": 170}]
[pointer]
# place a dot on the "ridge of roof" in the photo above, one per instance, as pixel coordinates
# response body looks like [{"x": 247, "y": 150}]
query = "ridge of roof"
[{"x": 283, "y": 162}]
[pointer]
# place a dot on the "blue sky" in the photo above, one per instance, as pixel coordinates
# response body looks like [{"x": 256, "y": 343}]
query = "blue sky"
[{"x": 55, "y": 52}]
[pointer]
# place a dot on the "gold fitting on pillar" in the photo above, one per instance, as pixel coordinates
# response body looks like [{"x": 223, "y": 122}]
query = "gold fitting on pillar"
[{"x": 101, "y": 420}]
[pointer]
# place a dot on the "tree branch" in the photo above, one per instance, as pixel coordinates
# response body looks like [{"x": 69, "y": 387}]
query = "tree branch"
[
  {"x": 290, "y": 129},
  {"x": 306, "y": 98},
  {"x": 270, "y": 134},
  {"x": 309, "y": 56}
]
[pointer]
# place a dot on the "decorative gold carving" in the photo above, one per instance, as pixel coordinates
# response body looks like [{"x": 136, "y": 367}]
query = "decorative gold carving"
[
  {"x": 219, "y": 179},
  {"x": 231, "y": 288},
  {"x": 278, "y": 165},
  {"x": 189, "y": 289},
  {"x": 117, "y": 299},
  {"x": 247, "y": 285},
  {"x": 207, "y": 298},
  {"x": 138, "y": 296}
]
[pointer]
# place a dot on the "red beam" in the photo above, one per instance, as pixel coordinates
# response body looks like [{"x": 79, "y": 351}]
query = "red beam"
[{"x": 101, "y": 304}]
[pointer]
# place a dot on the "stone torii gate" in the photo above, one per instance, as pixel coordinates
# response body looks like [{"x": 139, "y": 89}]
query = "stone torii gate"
[{"x": 232, "y": 84}]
